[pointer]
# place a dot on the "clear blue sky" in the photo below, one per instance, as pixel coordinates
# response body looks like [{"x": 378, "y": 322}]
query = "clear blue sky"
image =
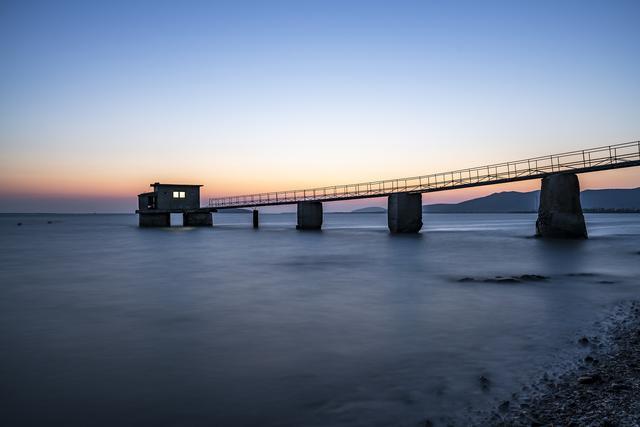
[{"x": 98, "y": 99}]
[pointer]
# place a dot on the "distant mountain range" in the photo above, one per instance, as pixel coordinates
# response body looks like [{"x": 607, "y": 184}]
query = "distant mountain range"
[
  {"x": 370, "y": 210},
  {"x": 609, "y": 200}
]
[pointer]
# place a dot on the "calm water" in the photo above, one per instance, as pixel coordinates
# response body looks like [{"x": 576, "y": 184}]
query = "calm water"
[{"x": 103, "y": 323}]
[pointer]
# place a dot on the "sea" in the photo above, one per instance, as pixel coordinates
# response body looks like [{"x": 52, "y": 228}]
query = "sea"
[{"x": 103, "y": 323}]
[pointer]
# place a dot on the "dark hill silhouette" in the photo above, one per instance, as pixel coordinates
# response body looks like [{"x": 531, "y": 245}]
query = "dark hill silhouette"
[
  {"x": 372, "y": 209},
  {"x": 623, "y": 198},
  {"x": 514, "y": 201}
]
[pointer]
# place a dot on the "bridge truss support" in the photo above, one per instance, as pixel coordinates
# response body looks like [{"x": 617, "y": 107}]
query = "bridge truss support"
[
  {"x": 197, "y": 219},
  {"x": 154, "y": 219},
  {"x": 309, "y": 215},
  {"x": 404, "y": 213},
  {"x": 255, "y": 218},
  {"x": 560, "y": 213}
]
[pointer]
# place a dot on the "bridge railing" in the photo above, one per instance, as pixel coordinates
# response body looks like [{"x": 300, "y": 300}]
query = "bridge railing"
[{"x": 607, "y": 157}]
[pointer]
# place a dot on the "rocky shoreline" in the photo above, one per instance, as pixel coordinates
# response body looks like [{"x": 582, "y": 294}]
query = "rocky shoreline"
[{"x": 602, "y": 390}]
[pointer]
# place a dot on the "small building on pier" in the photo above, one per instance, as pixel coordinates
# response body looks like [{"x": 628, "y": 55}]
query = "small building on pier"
[
  {"x": 155, "y": 207},
  {"x": 170, "y": 197}
]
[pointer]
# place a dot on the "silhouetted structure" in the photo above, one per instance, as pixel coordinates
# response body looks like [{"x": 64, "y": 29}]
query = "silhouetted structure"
[
  {"x": 155, "y": 207},
  {"x": 559, "y": 215}
]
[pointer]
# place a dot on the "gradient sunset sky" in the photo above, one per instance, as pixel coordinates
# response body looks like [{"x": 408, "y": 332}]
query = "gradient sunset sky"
[{"x": 99, "y": 99}]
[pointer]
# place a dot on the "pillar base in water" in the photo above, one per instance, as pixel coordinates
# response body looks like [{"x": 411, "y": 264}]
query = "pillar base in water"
[
  {"x": 309, "y": 216},
  {"x": 154, "y": 220},
  {"x": 560, "y": 213},
  {"x": 404, "y": 213},
  {"x": 255, "y": 218},
  {"x": 197, "y": 219}
]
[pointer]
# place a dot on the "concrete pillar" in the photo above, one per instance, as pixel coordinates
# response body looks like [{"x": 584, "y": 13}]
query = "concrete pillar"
[
  {"x": 560, "y": 212},
  {"x": 154, "y": 219},
  {"x": 404, "y": 213},
  {"x": 309, "y": 216},
  {"x": 197, "y": 219},
  {"x": 255, "y": 218}
]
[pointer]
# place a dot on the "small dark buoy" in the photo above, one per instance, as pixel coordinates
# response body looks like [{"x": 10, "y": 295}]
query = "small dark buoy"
[
  {"x": 19, "y": 224},
  {"x": 49, "y": 222}
]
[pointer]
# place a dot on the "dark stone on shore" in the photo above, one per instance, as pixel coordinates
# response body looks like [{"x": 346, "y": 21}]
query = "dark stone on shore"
[
  {"x": 588, "y": 359},
  {"x": 504, "y": 406},
  {"x": 466, "y": 279},
  {"x": 590, "y": 379},
  {"x": 619, "y": 387},
  {"x": 583, "y": 341}
]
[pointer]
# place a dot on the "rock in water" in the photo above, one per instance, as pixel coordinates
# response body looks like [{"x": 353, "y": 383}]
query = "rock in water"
[
  {"x": 560, "y": 213},
  {"x": 485, "y": 383}
]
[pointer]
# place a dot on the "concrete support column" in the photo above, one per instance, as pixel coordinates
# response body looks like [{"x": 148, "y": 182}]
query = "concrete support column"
[
  {"x": 560, "y": 212},
  {"x": 255, "y": 218},
  {"x": 309, "y": 216},
  {"x": 404, "y": 213},
  {"x": 197, "y": 219},
  {"x": 154, "y": 220}
]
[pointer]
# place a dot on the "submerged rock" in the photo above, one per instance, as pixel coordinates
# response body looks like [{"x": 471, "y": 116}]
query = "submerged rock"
[
  {"x": 505, "y": 279},
  {"x": 533, "y": 277},
  {"x": 485, "y": 383},
  {"x": 500, "y": 279}
]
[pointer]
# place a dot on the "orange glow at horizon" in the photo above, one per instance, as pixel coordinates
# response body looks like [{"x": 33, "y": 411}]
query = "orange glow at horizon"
[{"x": 106, "y": 185}]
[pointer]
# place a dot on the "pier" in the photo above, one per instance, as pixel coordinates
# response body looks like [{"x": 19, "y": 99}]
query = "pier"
[{"x": 559, "y": 215}]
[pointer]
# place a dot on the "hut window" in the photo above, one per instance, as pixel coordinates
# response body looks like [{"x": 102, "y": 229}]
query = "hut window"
[{"x": 179, "y": 195}]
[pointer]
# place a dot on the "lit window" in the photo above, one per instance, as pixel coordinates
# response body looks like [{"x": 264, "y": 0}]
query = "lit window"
[
  {"x": 182, "y": 195},
  {"x": 179, "y": 195}
]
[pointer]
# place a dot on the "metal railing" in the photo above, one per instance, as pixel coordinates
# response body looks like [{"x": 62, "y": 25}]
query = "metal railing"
[{"x": 589, "y": 160}]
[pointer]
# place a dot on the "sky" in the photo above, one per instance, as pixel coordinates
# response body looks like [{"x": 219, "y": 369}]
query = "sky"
[{"x": 100, "y": 99}]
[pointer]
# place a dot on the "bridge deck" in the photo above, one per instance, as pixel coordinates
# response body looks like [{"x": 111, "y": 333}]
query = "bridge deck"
[{"x": 582, "y": 161}]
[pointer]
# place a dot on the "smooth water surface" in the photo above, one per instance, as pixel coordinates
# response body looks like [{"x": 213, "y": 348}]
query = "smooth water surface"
[{"x": 104, "y": 323}]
